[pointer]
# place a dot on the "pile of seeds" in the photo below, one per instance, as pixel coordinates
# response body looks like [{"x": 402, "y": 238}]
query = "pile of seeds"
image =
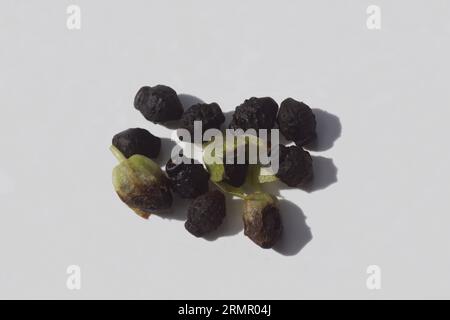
[{"x": 145, "y": 188}]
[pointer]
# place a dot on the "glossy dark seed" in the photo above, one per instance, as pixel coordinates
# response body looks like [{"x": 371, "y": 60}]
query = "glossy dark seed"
[
  {"x": 137, "y": 141},
  {"x": 235, "y": 174}
]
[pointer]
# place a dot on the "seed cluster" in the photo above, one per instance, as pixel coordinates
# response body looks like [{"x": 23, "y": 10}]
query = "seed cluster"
[{"x": 145, "y": 188}]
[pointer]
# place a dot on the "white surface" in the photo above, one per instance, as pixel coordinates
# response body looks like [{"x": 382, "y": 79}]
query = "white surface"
[{"x": 65, "y": 93}]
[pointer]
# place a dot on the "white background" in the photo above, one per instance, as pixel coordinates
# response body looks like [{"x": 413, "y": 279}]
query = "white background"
[{"x": 381, "y": 194}]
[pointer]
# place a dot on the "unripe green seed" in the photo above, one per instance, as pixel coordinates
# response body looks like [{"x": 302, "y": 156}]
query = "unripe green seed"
[{"x": 141, "y": 184}]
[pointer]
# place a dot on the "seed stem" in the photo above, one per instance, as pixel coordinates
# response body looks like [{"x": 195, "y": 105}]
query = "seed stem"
[
  {"x": 238, "y": 192},
  {"x": 119, "y": 156},
  {"x": 253, "y": 177}
]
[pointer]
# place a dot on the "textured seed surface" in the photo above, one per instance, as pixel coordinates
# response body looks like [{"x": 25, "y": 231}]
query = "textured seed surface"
[
  {"x": 205, "y": 213},
  {"x": 142, "y": 185},
  {"x": 295, "y": 166},
  {"x": 158, "y": 104},
  {"x": 297, "y": 122},
  {"x": 137, "y": 141},
  {"x": 255, "y": 113},
  {"x": 188, "y": 179},
  {"x": 210, "y": 115},
  {"x": 262, "y": 221}
]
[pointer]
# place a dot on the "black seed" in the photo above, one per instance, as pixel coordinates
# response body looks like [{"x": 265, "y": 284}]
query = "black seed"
[
  {"x": 297, "y": 122},
  {"x": 210, "y": 114},
  {"x": 188, "y": 179},
  {"x": 205, "y": 213},
  {"x": 137, "y": 141},
  {"x": 255, "y": 113},
  {"x": 295, "y": 166},
  {"x": 235, "y": 174},
  {"x": 158, "y": 104}
]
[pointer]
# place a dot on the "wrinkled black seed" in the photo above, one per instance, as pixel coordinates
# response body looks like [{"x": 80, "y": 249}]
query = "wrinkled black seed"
[
  {"x": 255, "y": 113},
  {"x": 295, "y": 166},
  {"x": 137, "y": 141},
  {"x": 158, "y": 104},
  {"x": 188, "y": 179},
  {"x": 297, "y": 122},
  {"x": 210, "y": 115},
  {"x": 205, "y": 213}
]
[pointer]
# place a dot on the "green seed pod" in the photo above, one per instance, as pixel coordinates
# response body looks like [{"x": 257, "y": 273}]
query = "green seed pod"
[
  {"x": 262, "y": 221},
  {"x": 141, "y": 184}
]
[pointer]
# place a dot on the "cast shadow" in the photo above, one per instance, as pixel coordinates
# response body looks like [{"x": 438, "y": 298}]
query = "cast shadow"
[
  {"x": 325, "y": 174},
  {"x": 179, "y": 205},
  {"x": 328, "y": 128},
  {"x": 228, "y": 116},
  {"x": 178, "y": 210},
  {"x": 167, "y": 146},
  {"x": 296, "y": 233}
]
